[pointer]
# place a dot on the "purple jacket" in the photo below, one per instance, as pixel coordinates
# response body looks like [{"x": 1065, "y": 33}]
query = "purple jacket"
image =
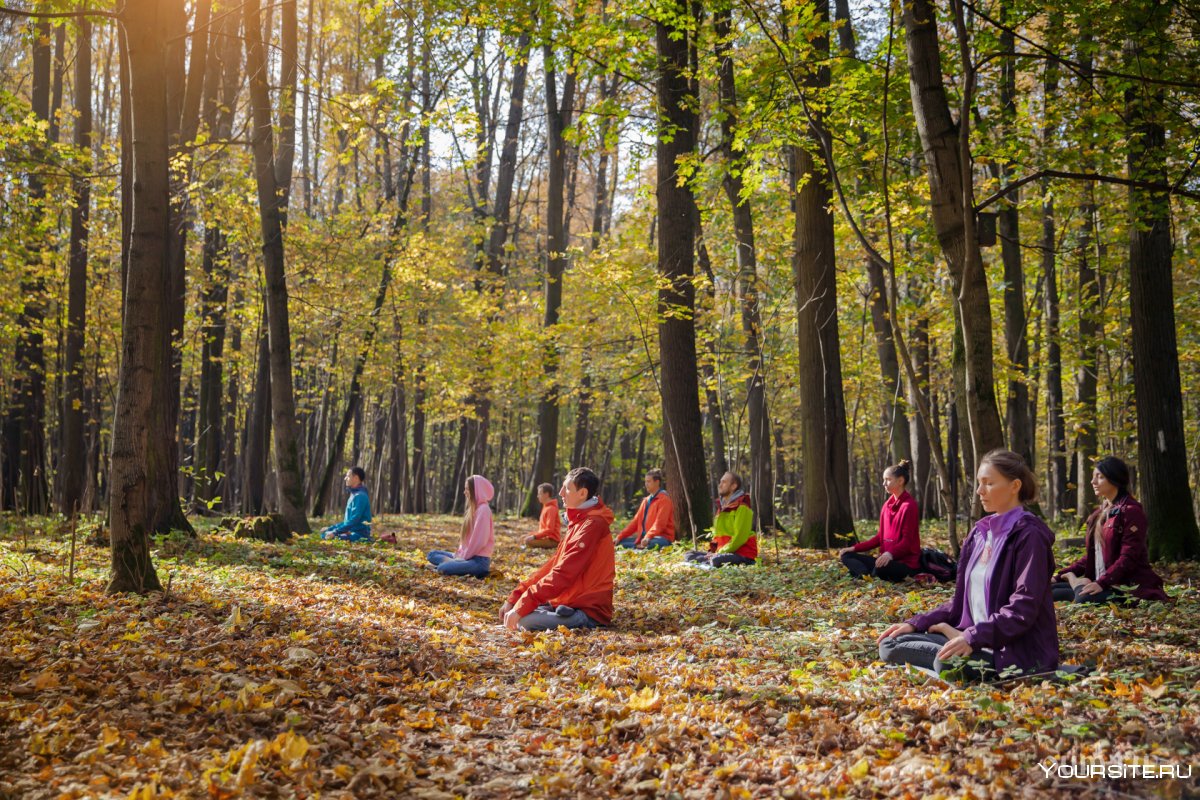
[
  {"x": 1021, "y": 627},
  {"x": 1122, "y": 528}
]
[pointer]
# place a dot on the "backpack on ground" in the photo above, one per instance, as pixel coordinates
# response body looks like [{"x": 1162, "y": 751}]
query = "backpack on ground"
[{"x": 938, "y": 564}]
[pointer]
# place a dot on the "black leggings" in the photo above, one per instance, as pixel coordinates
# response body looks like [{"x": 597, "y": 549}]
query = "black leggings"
[
  {"x": 862, "y": 564},
  {"x": 1063, "y": 593},
  {"x": 920, "y": 650}
]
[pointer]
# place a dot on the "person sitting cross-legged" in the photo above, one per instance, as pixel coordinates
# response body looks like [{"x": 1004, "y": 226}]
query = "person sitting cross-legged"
[
  {"x": 574, "y": 589},
  {"x": 1115, "y": 552},
  {"x": 653, "y": 526},
  {"x": 899, "y": 536},
  {"x": 733, "y": 542},
  {"x": 356, "y": 524},
  {"x": 477, "y": 540},
  {"x": 1001, "y": 617},
  {"x": 549, "y": 530}
]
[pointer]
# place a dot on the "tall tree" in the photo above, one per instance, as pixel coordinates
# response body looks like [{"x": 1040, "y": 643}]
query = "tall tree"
[
  {"x": 682, "y": 425},
  {"x": 762, "y": 482},
  {"x": 946, "y": 146},
  {"x": 1162, "y": 450},
  {"x": 144, "y": 374},
  {"x": 289, "y": 471},
  {"x": 558, "y": 120},
  {"x": 73, "y": 462},
  {"x": 827, "y": 515}
]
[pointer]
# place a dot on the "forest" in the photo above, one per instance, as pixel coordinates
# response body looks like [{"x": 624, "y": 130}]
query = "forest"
[{"x": 247, "y": 246}]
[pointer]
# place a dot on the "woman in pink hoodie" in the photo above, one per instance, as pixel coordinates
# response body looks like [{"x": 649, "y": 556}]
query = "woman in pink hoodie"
[{"x": 474, "y": 553}]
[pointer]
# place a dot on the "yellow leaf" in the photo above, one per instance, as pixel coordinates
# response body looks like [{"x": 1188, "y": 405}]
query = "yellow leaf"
[
  {"x": 860, "y": 769},
  {"x": 645, "y": 700}
]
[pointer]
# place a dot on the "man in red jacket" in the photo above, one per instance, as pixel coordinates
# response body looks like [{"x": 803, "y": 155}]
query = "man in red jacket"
[
  {"x": 653, "y": 526},
  {"x": 574, "y": 589}
]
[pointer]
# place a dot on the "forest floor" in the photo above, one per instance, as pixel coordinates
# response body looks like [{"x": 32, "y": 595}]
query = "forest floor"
[{"x": 318, "y": 668}]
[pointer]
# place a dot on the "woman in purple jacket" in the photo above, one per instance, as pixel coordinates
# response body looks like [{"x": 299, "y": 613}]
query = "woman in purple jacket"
[
  {"x": 1115, "y": 552},
  {"x": 1001, "y": 618}
]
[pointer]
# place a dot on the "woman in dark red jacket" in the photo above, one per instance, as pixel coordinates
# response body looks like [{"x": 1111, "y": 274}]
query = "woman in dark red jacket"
[
  {"x": 1115, "y": 552},
  {"x": 899, "y": 536}
]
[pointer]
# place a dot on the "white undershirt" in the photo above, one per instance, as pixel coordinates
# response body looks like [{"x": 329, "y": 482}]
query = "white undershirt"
[
  {"x": 977, "y": 583},
  {"x": 1100, "y": 565}
]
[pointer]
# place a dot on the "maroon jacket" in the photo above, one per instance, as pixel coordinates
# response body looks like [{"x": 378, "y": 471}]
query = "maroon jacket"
[
  {"x": 899, "y": 531},
  {"x": 1122, "y": 528},
  {"x": 1021, "y": 628}
]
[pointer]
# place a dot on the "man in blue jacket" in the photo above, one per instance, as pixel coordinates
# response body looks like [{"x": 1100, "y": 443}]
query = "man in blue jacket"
[{"x": 356, "y": 527}]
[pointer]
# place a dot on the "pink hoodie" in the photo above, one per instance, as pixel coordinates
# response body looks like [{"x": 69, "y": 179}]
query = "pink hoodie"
[{"x": 481, "y": 540}]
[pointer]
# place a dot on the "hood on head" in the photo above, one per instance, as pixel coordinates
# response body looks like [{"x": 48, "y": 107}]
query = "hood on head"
[{"x": 484, "y": 491}]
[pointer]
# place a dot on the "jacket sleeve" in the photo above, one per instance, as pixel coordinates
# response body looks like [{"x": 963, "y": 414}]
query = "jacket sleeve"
[
  {"x": 1133, "y": 554},
  {"x": 1080, "y": 567},
  {"x": 951, "y": 610},
  {"x": 561, "y": 573},
  {"x": 1014, "y": 619},
  {"x": 910, "y": 532},
  {"x": 743, "y": 528},
  {"x": 869, "y": 544},
  {"x": 632, "y": 528}
]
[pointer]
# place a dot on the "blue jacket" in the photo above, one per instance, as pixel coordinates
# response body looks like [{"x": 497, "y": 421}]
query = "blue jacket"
[{"x": 356, "y": 527}]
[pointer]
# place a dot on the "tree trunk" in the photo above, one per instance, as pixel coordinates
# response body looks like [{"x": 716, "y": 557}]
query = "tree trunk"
[
  {"x": 708, "y": 368},
  {"x": 682, "y": 424},
  {"x": 952, "y": 204},
  {"x": 762, "y": 481},
  {"x": 1090, "y": 328},
  {"x": 288, "y": 469},
  {"x": 257, "y": 444},
  {"x": 1017, "y": 416},
  {"x": 827, "y": 517},
  {"x": 558, "y": 119},
  {"x": 1162, "y": 444},
  {"x": 143, "y": 377},
  {"x": 73, "y": 461},
  {"x": 1059, "y": 500}
]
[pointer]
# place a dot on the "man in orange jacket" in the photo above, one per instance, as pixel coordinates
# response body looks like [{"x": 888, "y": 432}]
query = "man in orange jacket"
[
  {"x": 549, "y": 527},
  {"x": 654, "y": 524},
  {"x": 574, "y": 589}
]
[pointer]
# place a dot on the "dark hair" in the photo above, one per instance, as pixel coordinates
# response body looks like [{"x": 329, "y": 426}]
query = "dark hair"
[
  {"x": 547, "y": 488},
  {"x": 359, "y": 472},
  {"x": 657, "y": 474},
  {"x": 1013, "y": 466},
  {"x": 902, "y": 470},
  {"x": 584, "y": 478},
  {"x": 736, "y": 479},
  {"x": 1116, "y": 471}
]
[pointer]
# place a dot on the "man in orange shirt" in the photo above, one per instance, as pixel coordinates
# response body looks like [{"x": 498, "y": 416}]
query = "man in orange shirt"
[
  {"x": 654, "y": 524},
  {"x": 549, "y": 527},
  {"x": 574, "y": 589}
]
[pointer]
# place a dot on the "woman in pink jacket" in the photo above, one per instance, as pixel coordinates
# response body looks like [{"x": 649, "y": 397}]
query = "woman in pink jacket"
[{"x": 474, "y": 553}]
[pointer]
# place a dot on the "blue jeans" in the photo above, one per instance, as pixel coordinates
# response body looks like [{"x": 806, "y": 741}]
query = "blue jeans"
[
  {"x": 547, "y": 618},
  {"x": 447, "y": 564},
  {"x": 653, "y": 543}
]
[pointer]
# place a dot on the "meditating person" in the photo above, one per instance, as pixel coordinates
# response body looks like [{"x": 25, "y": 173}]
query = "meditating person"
[
  {"x": 653, "y": 526},
  {"x": 356, "y": 523},
  {"x": 574, "y": 589},
  {"x": 733, "y": 542},
  {"x": 899, "y": 535},
  {"x": 1114, "y": 551},
  {"x": 477, "y": 539},
  {"x": 549, "y": 526},
  {"x": 1001, "y": 619}
]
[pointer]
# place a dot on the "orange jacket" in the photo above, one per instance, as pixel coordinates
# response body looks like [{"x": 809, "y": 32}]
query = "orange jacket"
[
  {"x": 654, "y": 517},
  {"x": 549, "y": 526},
  {"x": 581, "y": 572}
]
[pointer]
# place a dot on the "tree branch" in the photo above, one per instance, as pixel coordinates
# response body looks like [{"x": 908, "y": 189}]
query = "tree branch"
[{"x": 1086, "y": 176}]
